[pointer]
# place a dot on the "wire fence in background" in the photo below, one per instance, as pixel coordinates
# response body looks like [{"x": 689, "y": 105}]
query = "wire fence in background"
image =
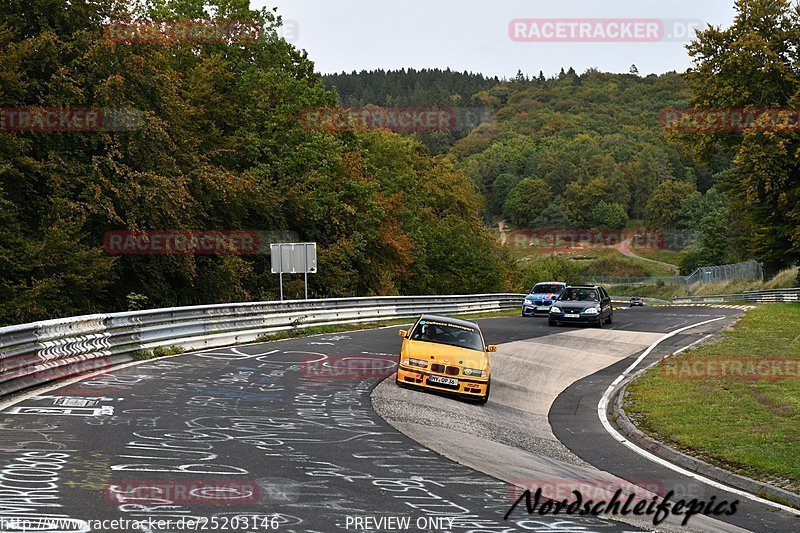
[{"x": 746, "y": 271}]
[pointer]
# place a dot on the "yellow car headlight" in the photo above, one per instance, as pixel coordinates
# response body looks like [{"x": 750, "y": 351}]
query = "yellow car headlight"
[
  {"x": 474, "y": 372},
  {"x": 408, "y": 361}
]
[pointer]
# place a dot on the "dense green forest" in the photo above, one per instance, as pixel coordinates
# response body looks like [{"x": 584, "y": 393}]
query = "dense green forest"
[
  {"x": 221, "y": 145},
  {"x": 419, "y": 89},
  {"x": 573, "y": 151},
  {"x": 589, "y": 151},
  {"x": 408, "y": 87}
]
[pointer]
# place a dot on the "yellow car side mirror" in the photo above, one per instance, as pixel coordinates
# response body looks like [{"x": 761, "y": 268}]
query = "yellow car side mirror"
[
  {"x": 491, "y": 348},
  {"x": 402, "y": 333}
]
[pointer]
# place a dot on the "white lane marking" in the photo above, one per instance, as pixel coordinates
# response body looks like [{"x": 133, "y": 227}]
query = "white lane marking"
[
  {"x": 686, "y": 321},
  {"x": 650, "y": 349},
  {"x": 698, "y": 341},
  {"x": 602, "y": 408}
]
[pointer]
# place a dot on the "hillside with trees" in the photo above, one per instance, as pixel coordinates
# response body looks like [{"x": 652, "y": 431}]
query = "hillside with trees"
[
  {"x": 220, "y": 147},
  {"x": 753, "y": 64},
  {"x": 576, "y": 151},
  {"x": 590, "y": 151}
]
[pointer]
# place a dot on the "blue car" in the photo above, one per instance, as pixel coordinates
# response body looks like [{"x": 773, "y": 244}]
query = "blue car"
[{"x": 541, "y": 297}]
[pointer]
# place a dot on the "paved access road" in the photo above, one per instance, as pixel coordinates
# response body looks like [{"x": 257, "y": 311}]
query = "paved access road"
[{"x": 266, "y": 437}]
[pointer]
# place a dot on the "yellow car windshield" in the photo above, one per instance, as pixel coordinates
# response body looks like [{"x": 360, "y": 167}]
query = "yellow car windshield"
[{"x": 450, "y": 334}]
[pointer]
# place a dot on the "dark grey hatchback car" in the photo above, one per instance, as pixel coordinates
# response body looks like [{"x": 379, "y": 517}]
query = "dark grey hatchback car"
[{"x": 582, "y": 304}]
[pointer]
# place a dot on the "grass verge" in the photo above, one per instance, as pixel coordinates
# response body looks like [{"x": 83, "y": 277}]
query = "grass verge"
[
  {"x": 663, "y": 291},
  {"x": 143, "y": 355},
  {"x": 665, "y": 256},
  {"x": 746, "y": 419},
  {"x": 611, "y": 262}
]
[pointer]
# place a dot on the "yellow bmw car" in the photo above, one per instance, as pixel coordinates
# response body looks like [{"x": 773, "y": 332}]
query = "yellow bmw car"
[{"x": 446, "y": 354}]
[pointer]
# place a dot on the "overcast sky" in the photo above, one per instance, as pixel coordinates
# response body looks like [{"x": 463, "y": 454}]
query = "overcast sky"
[{"x": 473, "y": 35}]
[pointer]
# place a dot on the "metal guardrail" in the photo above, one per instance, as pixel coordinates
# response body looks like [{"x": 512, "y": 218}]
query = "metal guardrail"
[
  {"x": 774, "y": 295},
  {"x": 767, "y": 296},
  {"x": 627, "y": 299},
  {"x": 39, "y": 352}
]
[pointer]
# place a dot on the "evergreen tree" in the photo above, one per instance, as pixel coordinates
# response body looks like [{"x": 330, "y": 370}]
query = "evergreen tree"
[{"x": 754, "y": 64}]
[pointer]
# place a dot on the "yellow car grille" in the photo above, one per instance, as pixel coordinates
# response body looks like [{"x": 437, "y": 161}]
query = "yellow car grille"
[{"x": 442, "y": 369}]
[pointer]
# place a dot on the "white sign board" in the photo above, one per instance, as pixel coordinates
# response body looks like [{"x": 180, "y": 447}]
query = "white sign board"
[{"x": 294, "y": 257}]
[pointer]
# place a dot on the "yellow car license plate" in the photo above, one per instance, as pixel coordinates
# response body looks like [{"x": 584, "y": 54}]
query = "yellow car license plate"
[{"x": 442, "y": 381}]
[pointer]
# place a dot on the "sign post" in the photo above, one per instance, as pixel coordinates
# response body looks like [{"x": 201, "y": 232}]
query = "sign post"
[
  {"x": 305, "y": 272},
  {"x": 294, "y": 258}
]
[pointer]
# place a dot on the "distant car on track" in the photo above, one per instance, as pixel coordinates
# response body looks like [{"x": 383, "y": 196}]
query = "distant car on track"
[
  {"x": 541, "y": 297},
  {"x": 448, "y": 355},
  {"x": 582, "y": 304},
  {"x": 637, "y": 301}
]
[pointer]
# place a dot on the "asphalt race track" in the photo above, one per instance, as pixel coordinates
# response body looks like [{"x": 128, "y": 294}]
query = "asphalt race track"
[
  {"x": 541, "y": 426},
  {"x": 268, "y": 437}
]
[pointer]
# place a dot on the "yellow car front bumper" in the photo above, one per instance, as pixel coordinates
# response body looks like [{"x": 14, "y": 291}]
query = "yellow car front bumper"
[{"x": 418, "y": 377}]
